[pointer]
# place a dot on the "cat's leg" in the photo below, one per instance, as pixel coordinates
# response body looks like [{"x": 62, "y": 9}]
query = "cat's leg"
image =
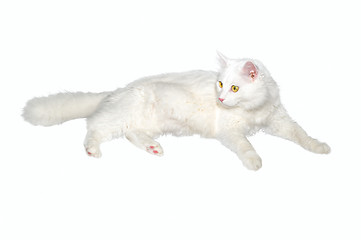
[
  {"x": 93, "y": 140},
  {"x": 243, "y": 148},
  {"x": 143, "y": 141},
  {"x": 283, "y": 126}
]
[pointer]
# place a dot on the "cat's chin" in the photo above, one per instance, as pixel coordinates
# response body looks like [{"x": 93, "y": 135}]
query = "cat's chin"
[
  {"x": 249, "y": 106},
  {"x": 244, "y": 103},
  {"x": 225, "y": 105}
]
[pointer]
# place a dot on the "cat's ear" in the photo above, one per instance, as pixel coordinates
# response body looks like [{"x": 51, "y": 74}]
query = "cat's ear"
[
  {"x": 250, "y": 70},
  {"x": 222, "y": 60}
]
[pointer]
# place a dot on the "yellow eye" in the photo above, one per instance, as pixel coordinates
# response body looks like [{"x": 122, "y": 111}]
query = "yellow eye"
[
  {"x": 220, "y": 84},
  {"x": 235, "y": 88}
]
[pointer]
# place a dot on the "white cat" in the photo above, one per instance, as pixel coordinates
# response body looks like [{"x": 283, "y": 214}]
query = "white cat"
[{"x": 228, "y": 105}]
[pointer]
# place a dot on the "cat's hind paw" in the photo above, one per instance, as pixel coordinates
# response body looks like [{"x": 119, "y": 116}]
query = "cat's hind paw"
[
  {"x": 93, "y": 151},
  {"x": 155, "y": 149},
  {"x": 252, "y": 161}
]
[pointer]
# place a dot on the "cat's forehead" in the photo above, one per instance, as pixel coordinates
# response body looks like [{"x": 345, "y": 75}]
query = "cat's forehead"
[{"x": 232, "y": 71}]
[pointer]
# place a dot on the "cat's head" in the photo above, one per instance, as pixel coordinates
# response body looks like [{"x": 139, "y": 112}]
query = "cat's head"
[{"x": 243, "y": 82}]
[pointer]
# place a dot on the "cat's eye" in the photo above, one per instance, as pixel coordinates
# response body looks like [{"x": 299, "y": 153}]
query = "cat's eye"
[
  {"x": 235, "y": 88},
  {"x": 220, "y": 84}
]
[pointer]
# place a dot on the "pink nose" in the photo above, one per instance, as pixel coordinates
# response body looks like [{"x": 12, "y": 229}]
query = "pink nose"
[{"x": 221, "y": 99}]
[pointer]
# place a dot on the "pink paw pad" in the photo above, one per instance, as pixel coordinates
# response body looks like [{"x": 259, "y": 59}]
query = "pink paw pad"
[
  {"x": 93, "y": 152},
  {"x": 154, "y": 149}
]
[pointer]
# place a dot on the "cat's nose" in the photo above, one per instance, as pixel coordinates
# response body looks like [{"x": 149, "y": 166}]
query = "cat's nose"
[{"x": 221, "y": 99}]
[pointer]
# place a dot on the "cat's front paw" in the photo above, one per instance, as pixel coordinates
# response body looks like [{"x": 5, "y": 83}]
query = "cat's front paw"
[
  {"x": 252, "y": 161},
  {"x": 155, "y": 149},
  {"x": 321, "y": 148}
]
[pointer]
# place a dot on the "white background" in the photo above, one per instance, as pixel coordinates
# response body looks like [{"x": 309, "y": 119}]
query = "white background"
[{"x": 50, "y": 189}]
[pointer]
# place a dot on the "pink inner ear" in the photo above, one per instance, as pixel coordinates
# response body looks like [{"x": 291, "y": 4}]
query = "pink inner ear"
[{"x": 250, "y": 70}]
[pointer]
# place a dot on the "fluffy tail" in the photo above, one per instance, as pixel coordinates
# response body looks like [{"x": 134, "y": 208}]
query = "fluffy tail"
[{"x": 61, "y": 107}]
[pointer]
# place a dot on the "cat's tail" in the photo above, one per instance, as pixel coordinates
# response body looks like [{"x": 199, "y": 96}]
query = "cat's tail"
[{"x": 61, "y": 107}]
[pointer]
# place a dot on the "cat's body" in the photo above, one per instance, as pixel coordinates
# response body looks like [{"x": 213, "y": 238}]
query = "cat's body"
[{"x": 230, "y": 105}]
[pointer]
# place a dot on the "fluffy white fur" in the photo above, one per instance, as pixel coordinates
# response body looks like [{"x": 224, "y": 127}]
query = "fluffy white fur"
[{"x": 228, "y": 105}]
